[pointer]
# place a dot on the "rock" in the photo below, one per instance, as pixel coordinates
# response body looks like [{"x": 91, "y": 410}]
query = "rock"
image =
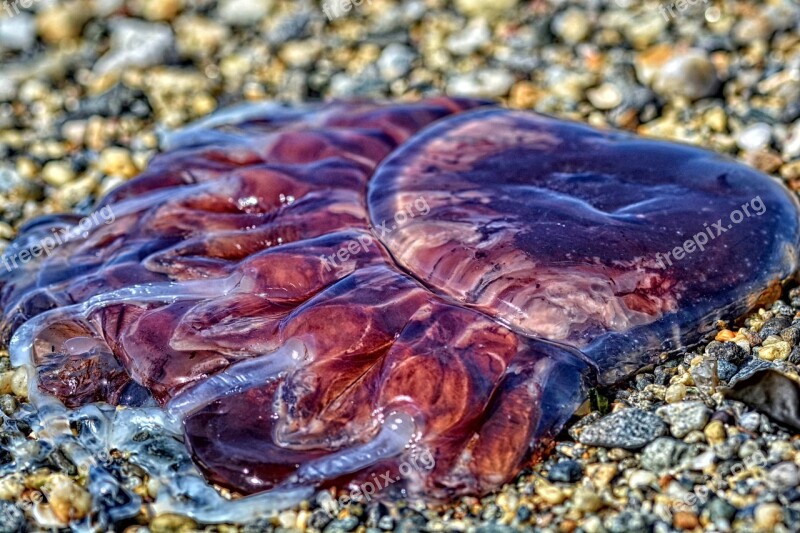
[
  {"x": 172, "y": 523},
  {"x": 243, "y": 12},
  {"x": 750, "y": 421},
  {"x": 754, "y": 137},
  {"x": 157, "y": 10},
  {"x": 488, "y": 83},
  {"x": 774, "y": 349},
  {"x": 675, "y": 393},
  {"x": 135, "y": 43},
  {"x": 715, "y": 432},
  {"x": 626, "y": 522},
  {"x": 482, "y": 8},
  {"x": 719, "y": 509},
  {"x": 116, "y": 161},
  {"x": 199, "y": 36},
  {"x": 664, "y": 453},
  {"x": 565, "y": 471},
  {"x": 300, "y": 54},
  {"x": 767, "y": 516},
  {"x": 726, "y": 351},
  {"x": 783, "y": 476},
  {"x": 685, "y": 520},
  {"x": 586, "y": 500},
  {"x": 18, "y": 33},
  {"x": 628, "y": 428},
  {"x": 572, "y": 26},
  {"x": 62, "y": 21},
  {"x": 12, "y": 519},
  {"x": 475, "y": 36},
  {"x": 604, "y": 97},
  {"x": 58, "y": 173},
  {"x": 396, "y": 61},
  {"x": 726, "y": 370},
  {"x": 642, "y": 479},
  {"x": 684, "y": 417},
  {"x": 68, "y": 500},
  {"x": 689, "y": 74}
]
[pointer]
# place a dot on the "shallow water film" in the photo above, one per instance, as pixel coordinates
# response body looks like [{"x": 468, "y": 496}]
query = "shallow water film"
[{"x": 418, "y": 292}]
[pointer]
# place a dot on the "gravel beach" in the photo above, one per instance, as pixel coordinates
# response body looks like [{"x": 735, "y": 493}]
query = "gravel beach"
[{"x": 89, "y": 87}]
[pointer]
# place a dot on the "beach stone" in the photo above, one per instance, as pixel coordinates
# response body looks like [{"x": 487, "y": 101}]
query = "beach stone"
[
  {"x": 767, "y": 516},
  {"x": 395, "y": 62},
  {"x": 18, "y": 33},
  {"x": 487, "y": 83},
  {"x": 572, "y": 26},
  {"x": 628, "y": 428},
  {"x": 690, "y": 74},
  {"x": 663, "y": 453},
  {"x": 684, "y": 417},
  {"x": 12, "y": 519},
  {"x": 478, "y": 8},
  {"x": 476, "y": 35},
  {"x": 565, "y": 471},
  {"x": 243, "y": 12},
  {"x": 136, "y": 43},
  {"x": 754, "y": 137}
]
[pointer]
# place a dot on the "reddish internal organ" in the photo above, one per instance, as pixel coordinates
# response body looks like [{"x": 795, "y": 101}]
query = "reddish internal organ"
[{"x": 327, "y": 294}]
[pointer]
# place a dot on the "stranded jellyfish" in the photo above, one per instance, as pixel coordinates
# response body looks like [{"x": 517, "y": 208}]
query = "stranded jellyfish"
[{"x": 417, "y": 292}]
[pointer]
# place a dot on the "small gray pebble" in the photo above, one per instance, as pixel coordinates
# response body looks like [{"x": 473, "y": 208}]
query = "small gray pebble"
[
  {"x": 628, "y": 428},
  {"x": 565, "y": 472},
  {"x": 664, "y": 453}
]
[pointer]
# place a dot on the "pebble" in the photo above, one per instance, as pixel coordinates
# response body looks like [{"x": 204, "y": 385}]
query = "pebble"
[
  {"x": 396, "y": 61},
  {"x": 58, "y": 173},
  {"x": 565, "y": 471},
  {"x": 62, "y": 21},
  {"x": 689, "y": 74},
  {"x": 642, "y": 479},
  {"x": 715, "y": 432},
  {"x": 243, "y": 12},
  {"x": 783, "y": 476},
  {"x": 663, "y": 453},
  {"x": 67, "y": 499},
  {"x": 482, "y": 8},
  {"x": 675, "y": 393},
  {"x": 750, "y": 421},
  {"x": 586, "y": 500},
  {"x": 628, "y": 428},
  {"x": 136, "y": 43},
  {"x": 172, "y": 523},
  {"x": 684, "y": 417},
  {"x": 12, "y": 519},
  {"x": 487, "y": 83},
  {"x": 754, "y": 137},
  {"x": 18, "y": 33},
  {"x": 605, "y": 96},
  {"x": 117, "y": 161},
  {"x": 475, "y": 36},
  {"x": 572, "y": 26},
  {"x": 767, "y": 516},
  {"x": 685, "y": 520}
]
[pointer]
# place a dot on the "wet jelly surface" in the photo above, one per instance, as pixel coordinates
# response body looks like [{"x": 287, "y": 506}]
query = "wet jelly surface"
[{"x": 422, "y": 291}]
